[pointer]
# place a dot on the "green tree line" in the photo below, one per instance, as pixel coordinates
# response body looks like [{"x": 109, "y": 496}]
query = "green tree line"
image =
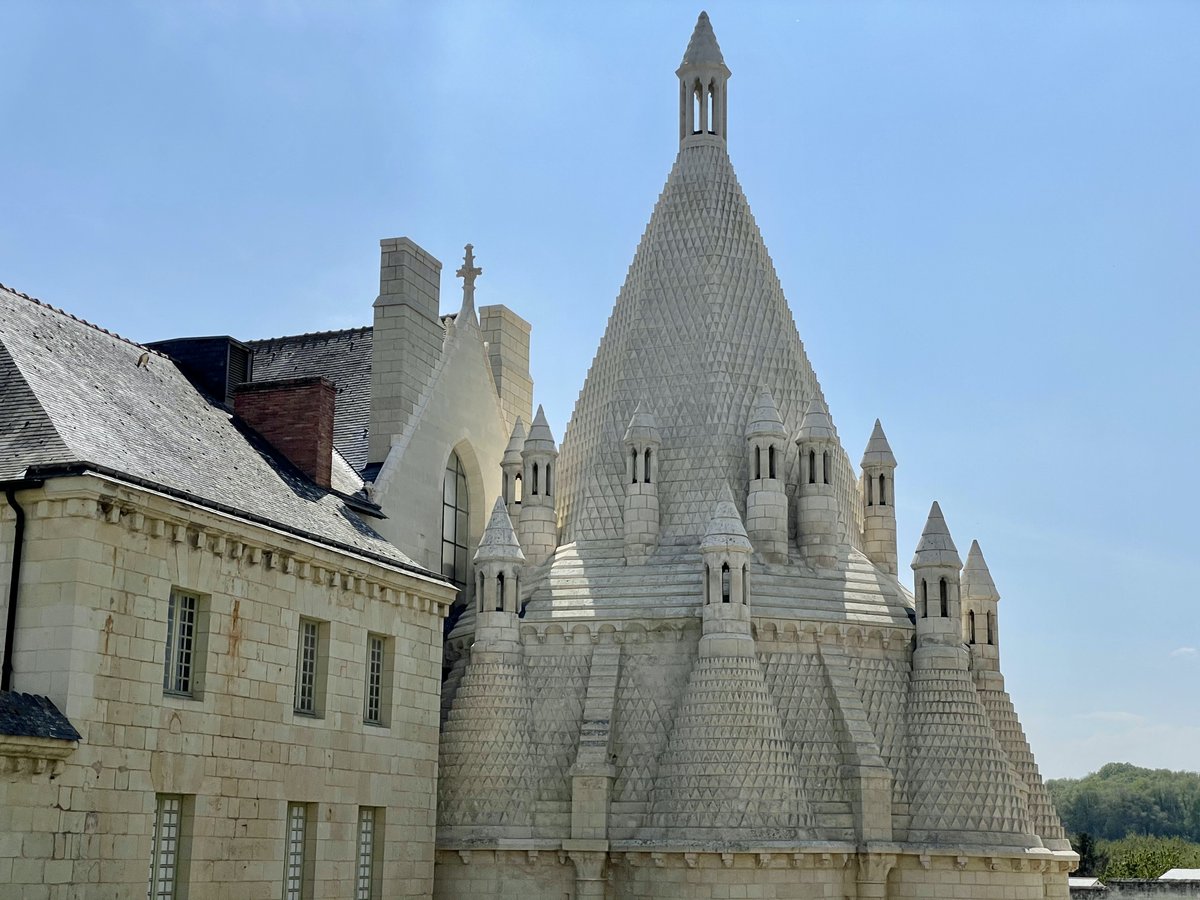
[{"x": 1122, "y": 799}]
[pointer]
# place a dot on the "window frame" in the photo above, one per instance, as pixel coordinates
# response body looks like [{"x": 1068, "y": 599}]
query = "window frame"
[
  {"x": 314, "y": 708},
  {"x": 299, "y": 853},
  {"x": 185, "y": 645},
  {"x": 385, "y": 673},
  {"x": 173, "y": 831},
  {"x": 368, "y": 868}
]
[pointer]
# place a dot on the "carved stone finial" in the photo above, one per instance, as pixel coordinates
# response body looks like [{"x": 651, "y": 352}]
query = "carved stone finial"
[{"x": 468, "y": 272}]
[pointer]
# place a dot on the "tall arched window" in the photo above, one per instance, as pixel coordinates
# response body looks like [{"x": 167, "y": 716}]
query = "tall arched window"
[
  {"x": 991, "y": 625},
  {"x": 499, "y": 592},
  {"x": 812, "y": 467},
  {"x": 870, "y": 491},
  {"x": 707, "y": 585},
  {"x": 549, "y": 486},
  {"x": 633, "y": 461},
  {"x": 517, "y": 490},
  {"x": 455, "y": 511},
  {"x": 725, "y": 586},
  {"x": 825, "y": 466},
  {"x": 757, "y": 461},
  {"x": 646, "y": 470},
  {"x": 745, "y": 586},
  {"x": 971, "y": 626},
  {"x": 504, "y": 488},
  {"x": 924, "y": 599},
  {"x": 944, "y": 589},
  {"x": 771, "y": 461},
  {"x": 534, "y": 488},
  {"x": 883, "y": 490}
]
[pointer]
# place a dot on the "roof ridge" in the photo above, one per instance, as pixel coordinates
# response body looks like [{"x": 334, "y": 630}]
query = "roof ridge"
[
  {"x": 75, "y": 318},
  {"x": 308, "y": 335}
]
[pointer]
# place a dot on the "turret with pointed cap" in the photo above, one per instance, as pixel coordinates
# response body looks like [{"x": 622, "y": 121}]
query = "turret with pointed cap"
[
  {"x": 538, "y": 524},
  {"x": 766, "y": 502},
  {"x": 703, "y": 77},
  {"x": 980, "y": 599},
  {"x": 726, "y": 551},
  {"x": 817, "y": 507},
  {"x": 936, "y": 567},
  {"x": 878, "y": 498},
  {"x": 512, "y": 467},
  {"x": 641, "y": 486},
  {"x": 498, "y": 562}
]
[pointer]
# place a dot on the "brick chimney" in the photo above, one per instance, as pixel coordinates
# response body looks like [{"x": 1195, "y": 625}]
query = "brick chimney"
[{"x": 296, "y": 416}]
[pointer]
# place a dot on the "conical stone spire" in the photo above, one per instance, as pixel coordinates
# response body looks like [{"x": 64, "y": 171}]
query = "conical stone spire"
[
  {"x": 977, "y": 581},
  {"x": 764, "y": 418},
  {"x": 725, "y": 528},
  {"x": 817, "y": 426},
  {"x": 936, "y": 547},
  {"x": 642, "y": 427},
  {"x": 540, "y": 437},
  {"x": 516, "y": 443},
  {"x": 699, "y": 328},
  {"x": 499, "y": 541},
  {"x": 878, "y": 452},
  {"x": 703, "y": 49}
]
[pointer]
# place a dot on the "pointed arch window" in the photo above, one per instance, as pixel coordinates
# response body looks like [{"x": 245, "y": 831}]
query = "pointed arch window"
[
  {"x": 725, "y": 583},
  {"x": 633, "y": 463},
  {"x": 549, "y": 487},
  {"x": 971, "y": 626},
  {"x": 745, "y": 585},
  {"x": 517, "y": 488},
  {"x": 825, "y": 466},
  {"x": 499, "y": 592},
  {"x": 707, "y": 585},
  {"x": 646, "y": 463},
  {"x": 534, "y": 480},
  {"x": 771, "y": 462},
  {"x": 757, "y": 461},
  {"x": 991, "y": 628},
  {"x": 924, "y": 599},
  {"x": 455, "y": 514},
  {"x": 812, "y": 466},
  {"x": 870, "y": 491},
  {"x": 883, "y": 490},
  {"x": 944, "y": 590}
]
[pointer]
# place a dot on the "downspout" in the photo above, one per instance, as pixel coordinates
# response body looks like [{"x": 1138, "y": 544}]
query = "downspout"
[{"x": 14, "y": 581}]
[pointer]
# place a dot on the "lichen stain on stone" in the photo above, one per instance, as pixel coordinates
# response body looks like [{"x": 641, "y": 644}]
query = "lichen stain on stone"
[
  {"x": 108, "y": 630},
  {"x": 235, "y": 630}
]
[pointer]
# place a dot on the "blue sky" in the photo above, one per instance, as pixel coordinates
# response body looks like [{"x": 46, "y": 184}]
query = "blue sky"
[{"x": 985, "y": 217}]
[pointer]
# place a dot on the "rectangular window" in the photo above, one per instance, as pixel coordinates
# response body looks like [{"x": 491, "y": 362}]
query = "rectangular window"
[
  {"x": 183, "y": 661},
  {"x": 311, "y": 651},
  {"x": 298, "y": 867},
  {"x": 378, "y": 694},
  {"x": 168, "y": 852},
  {"x": 368, "y": 878}
]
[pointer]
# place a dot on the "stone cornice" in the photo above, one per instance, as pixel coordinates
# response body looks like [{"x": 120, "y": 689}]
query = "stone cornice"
[
  {"x": 33, "y": 755},
  {"x": 172, "y": 520}
]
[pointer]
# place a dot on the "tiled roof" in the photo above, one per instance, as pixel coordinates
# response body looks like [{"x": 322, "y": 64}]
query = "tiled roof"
[
  {"x": 72, "y": 393},
  {"x": 344, "y": 357},
  {"x": 28, "y": 715}
]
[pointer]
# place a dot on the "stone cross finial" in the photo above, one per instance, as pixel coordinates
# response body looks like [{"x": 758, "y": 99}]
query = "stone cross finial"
[{"x": 468, "y": 273}]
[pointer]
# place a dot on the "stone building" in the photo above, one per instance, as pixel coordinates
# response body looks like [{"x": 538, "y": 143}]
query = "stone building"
[
  {"x": 713, "y": 679},
  {"x": 216, "y": 673},
  {"x": 680, "y": 659}
]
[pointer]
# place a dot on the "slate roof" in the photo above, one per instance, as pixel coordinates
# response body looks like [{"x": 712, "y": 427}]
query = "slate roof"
[
  {"x": 29, "y": 715},
  {"x": 72, "y": 394},
  {"x": 344, "y": 357}
]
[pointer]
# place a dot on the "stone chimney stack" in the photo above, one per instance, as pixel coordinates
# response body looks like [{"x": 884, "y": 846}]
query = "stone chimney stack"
[
  {"x": 406, "y": 339},
  {"x": 295, "y": 415}
]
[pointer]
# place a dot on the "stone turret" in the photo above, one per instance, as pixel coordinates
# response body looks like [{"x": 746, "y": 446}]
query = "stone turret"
[
  {"x": 980, "y": 599},
  {"x": 641, "y": 486},
  {"x": 936, "y": 567},
  {"x": 703, "y": 91},
  {"x": 879, "y": 502},
  {"x": 538, "y": 524},
  {"x": 766, "y": 501},
  {"x": 726, "y": 551},
  {"x": 817, "y": 506},
  {"x": 511, "y": 468},
  {"x": 485, "y": 786},
  {"x": 498, "y": 562}
]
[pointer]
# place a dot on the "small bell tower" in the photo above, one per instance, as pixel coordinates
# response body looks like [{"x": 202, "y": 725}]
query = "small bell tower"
[
  {"x": 766, "y": 501},
  {"x": 703, "y": 80},
  {"x": 879, "y": 501},
  {"x": 936, "y": 581},
  {"x": 538, "y": 523}
]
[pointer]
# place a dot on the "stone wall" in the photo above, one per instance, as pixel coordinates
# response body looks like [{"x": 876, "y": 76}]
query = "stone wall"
[{"x": 100, "y": 562}]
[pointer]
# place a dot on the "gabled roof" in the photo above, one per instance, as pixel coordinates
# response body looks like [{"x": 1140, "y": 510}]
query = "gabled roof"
[
  {"x": 344, "y": 357},
  {"x": 74, "y": 395}
]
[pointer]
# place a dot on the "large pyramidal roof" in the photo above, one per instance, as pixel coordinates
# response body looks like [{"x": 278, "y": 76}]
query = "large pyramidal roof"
[{"x": 699, "y": 327}]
